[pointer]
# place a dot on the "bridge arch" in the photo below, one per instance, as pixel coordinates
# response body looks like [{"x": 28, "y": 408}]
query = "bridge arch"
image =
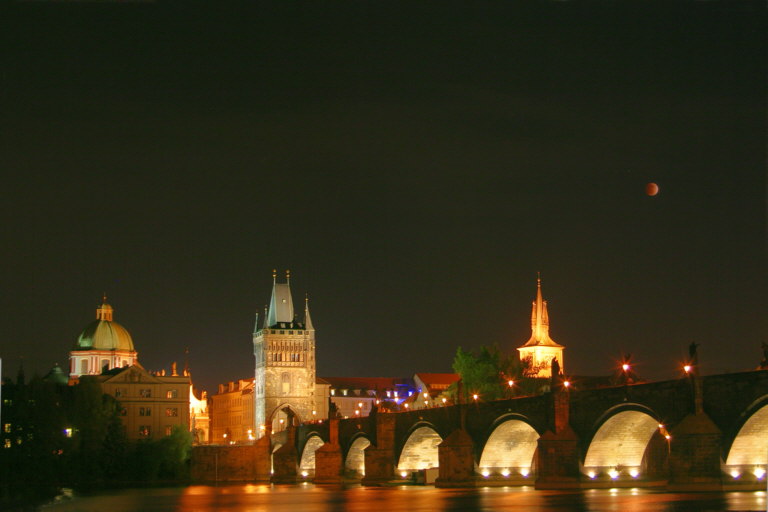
[
  {"x": 307, "y": 462},
  {"x": 620, "y": 445},
  {"x": 420, "y": 448},
  {"x": 281, "y": 415},
  {"x": 748, "y": 453},
  {"x": 510, "y": 447},
  {"x": 354, "y": 462}
]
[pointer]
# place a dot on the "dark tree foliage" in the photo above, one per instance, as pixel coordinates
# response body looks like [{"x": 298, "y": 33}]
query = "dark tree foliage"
[{"x": 487, "y": 373}]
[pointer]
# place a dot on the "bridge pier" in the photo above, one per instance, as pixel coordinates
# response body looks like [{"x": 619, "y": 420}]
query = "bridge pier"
[
  {"x": 380, "y": 458},
  {"x": 328, "y": 459},
  {"x": 263, "y": 459},
  {"x": 285, "y": 460},
  {"x": 694, "y": 459},
  {"x": 456, "y": 455},
  {"x": 557, "y": 454}
]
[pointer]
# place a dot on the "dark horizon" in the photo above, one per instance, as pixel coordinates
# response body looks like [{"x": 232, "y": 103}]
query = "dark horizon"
[{"x": 414, "y": 166}]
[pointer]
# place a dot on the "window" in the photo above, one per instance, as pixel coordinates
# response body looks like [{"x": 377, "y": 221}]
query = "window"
[
  {"x": 7, "y": 443},
  {"x": 7, "y": 428},
  {"x": 145, "y": 393},
  {"x": 282, "y": 332},
  {"x": 145, "y": 411},
  {"x": 145, "y": 431},
  {"x": 172, "y": 411},
  {"x": 298, "y": 332},
  {"x": 83, "y": 366},
  {"x": 290, "y": 332},
  {"x": 286, "y": 383},
  {"x": 168, "y": 430},
  {"x": 172, "y": 393},
  {"x": 118, "y": 393}
]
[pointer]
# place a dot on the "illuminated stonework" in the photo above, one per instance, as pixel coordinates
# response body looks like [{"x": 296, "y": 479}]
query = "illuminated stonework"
[
  {"x": 285, "y": 364},
  {"x": 540, "y": 349},
  {"x": 103, "y": 345}
]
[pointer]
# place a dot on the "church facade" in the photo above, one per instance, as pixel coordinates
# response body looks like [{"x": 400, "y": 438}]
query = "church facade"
[{"x": 284, "y": 351}]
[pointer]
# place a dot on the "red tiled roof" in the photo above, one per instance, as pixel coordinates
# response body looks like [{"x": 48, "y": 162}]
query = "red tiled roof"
[
  {"x": 367, "y": 382},
  {"x": 431, "y": 379}
]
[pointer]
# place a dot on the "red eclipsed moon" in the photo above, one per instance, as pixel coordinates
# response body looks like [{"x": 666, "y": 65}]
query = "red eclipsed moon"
[{"x": 651, "y": 189}]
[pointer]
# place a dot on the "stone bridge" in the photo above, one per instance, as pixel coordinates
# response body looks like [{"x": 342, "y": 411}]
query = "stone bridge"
[{"x": 694, "y": 433}]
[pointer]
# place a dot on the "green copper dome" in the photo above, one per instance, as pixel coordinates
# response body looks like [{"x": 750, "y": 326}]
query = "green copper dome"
[{"x": 104, "y": 334}]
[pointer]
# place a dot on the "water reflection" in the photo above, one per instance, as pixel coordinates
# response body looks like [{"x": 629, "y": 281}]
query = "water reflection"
[{"x": 310, "y": 498}]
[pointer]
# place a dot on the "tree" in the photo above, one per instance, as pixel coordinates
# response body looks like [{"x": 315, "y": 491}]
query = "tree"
[{"x": 487, "y": 373}]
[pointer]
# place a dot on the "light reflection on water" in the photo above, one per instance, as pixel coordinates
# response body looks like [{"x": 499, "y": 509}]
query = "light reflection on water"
[{"x": 310, "y": 498}]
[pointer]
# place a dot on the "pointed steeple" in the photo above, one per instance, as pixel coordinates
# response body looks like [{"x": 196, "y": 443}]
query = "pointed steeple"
[
  {"x": 307, "y": 319},
  {"x": 540, "y": 320},
  {"x": 256, "y": 324},
  {"x": 281, "y": 304}
]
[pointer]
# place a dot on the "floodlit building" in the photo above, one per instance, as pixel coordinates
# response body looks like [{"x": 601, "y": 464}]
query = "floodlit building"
[
  {"x": 103, "y": 345},
  {"x": 284, "y": 350},
  {"x": 356, "y": 396},
  {"x": 152, "y": 403},
  {"x": 540, "y": 350},
  {"x": 232, "y": 416}
]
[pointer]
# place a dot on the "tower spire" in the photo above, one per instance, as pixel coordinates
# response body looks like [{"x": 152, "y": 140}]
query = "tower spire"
[
  {"x": 541, "y": 348},
  {"x": 307, "y": 319},
  {"x": 281, "y": 303}
]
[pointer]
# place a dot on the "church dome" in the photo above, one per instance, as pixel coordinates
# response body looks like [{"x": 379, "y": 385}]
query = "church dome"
[{"x": 104, "y": 334}]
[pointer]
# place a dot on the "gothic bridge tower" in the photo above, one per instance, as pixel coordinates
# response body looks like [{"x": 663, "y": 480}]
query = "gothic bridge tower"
[
  {"x": 284, "y": 349},
  {"x": 540, "y": 349}
]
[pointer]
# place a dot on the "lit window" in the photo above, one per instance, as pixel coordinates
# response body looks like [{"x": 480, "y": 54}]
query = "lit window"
[
  {"x": 7, "y": 443},
  {"x": 145, "y": 431},
  {"x": 7, "y": 428},
  {"x": 172, "y": 411},
  {"x": 145, "y": 393},
  {"x": 118, "y": 393},
  {"x": 333, "y": 392},
  {"x": 344, "y": 392},
  {"x": 172, "y": 393},
  {"x": 168, "y": 430}
]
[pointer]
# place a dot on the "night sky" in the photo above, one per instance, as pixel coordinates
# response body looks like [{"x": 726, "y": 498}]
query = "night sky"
[{"x": 414, "y": 165}]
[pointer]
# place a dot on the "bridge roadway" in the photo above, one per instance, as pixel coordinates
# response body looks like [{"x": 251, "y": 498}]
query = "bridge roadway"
[{"x": 693, "y": 433}]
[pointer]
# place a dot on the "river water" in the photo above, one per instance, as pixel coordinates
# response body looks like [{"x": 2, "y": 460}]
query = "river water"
[{"x": 310, "y": 498}]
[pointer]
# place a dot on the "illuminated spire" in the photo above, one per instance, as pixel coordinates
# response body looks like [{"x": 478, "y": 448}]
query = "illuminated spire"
[
  {"x": 307, "y": 319},
  {"x": 540, "y": 320},
  {"x": 281, "y": 304}
]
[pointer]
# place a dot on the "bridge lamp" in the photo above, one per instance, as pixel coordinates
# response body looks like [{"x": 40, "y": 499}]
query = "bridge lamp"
[
  {"x": 475, "y": 397},
  {"x": 634, "y": 472},
  {"x": 625, "y": 367},
  {"x": 357, "y": 412},
  {"x": 444, "y": 400},
  {"x": 759, "y": 473},
  {"x": 525, "y": 472},
  {"x": 304, "y": 474},
  {"x": 510, "y": 383},
  {"x": 613, "y": 474},
  {"x": 403, "y": 474},
  {"x": 591, "y": 475},
  {"x": 406, "y": 406},
  {"x": 687, "y": 368},
  {"x": 567, "y": 384},
  {"x": 735, "y": 474},
  {"x": 505, "y": 473},
  {"x": 485, "y": 473}
]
